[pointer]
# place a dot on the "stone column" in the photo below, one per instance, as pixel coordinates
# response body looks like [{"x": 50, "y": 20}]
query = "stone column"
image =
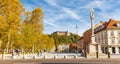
[
  {"x": 92, "y": 46},
  {"x": 104, "y": 49},
  {"x": 110, "y": 50},
  {"x": 92, "y": 26},
  {"x": 116, "y": 50}
]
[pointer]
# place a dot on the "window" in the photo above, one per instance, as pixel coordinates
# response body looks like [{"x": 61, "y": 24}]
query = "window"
[
  {"x": 112, "y": 33},
  {"x": 112, "y": 41},
  {"x": 118, "y": 33},
  {"x": 118, "y": 41},
  {"x": 118, "y": 24},
  {"x": 102, "y": 26},
  {"x": 119, "y": 49}
]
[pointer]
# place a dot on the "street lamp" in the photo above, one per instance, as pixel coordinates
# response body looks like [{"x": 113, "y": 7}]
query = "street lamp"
[
  {"x": 77, "y": 39},
  {"x": 96, "y": 50},
  {"x": 85, "y": 50}
]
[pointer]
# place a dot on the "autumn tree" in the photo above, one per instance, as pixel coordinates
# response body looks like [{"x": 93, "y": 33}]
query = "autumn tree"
[
  {"x": 47, "y": 43},
  {"x": 32, "y": 28},
  {"x": 37, "y": 24},
  {"x": 11, "y": 11},
  {"x": 3, "y": 25}
]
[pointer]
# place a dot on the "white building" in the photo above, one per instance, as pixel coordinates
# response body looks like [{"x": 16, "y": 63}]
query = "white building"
[{"x": 107, "y": 35}]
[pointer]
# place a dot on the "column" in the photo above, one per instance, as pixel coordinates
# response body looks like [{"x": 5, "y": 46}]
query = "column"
[
  {"x": 104, "y": 49},
  {"x": 116, "y": 50},
  {"x": 110, "y": 50}
]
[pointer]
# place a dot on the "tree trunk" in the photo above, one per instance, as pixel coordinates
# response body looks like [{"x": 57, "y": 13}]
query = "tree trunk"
[
  {"x": 33, "y": 49},
  {"x": 8, "y": 43},
  {"x": 0, "y": 43}
]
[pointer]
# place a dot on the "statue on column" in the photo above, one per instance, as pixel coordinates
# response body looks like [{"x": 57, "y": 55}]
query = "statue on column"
[{"x": 94, "y": 48}]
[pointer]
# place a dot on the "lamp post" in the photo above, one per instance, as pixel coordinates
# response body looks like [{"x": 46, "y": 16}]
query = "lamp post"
[
  {"x": 97, "y": 51},
  {"x": 85, "y": 50},
  {"x": 109, "y": 51},
  {"x": 77, "y": 39}
]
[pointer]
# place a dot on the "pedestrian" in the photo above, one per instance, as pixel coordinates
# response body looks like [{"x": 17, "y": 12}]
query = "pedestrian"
[
  {"x": 12, "y": 52},
  {"x": 40, "y": 52},
  {"x": 82, "y": 53},
  {"x": 37, "y": 52}
]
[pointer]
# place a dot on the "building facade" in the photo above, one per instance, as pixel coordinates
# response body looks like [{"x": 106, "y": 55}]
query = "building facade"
[
  {"x": 107, "y": 34},
  {"x": 80, "y": 44},
  {"x": 62, "y": 33}
]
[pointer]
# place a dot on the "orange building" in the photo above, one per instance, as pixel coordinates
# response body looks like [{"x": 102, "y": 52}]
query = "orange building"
[{"x": 87, "y": 39}]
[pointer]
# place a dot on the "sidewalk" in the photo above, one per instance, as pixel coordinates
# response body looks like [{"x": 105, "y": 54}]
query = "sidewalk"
[{"x": 53, "y": 56}]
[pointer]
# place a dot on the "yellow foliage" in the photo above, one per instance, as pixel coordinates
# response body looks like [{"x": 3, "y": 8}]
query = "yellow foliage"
[
  {"x": 10, "y": 12},
  {"x": 2, "y": 23}
]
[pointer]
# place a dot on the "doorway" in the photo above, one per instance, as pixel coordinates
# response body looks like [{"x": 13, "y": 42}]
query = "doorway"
[{"x": 113, "y": 50}]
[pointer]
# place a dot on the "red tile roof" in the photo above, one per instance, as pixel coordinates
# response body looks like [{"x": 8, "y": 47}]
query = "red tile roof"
[{"x": 112, "y": 23}]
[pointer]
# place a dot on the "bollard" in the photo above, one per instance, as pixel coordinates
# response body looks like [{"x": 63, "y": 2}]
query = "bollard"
[
  {"x": 65, "y": 56},
  {"x": 96, "y": 54},
  {"x": 23, "y": 57},
  {"x": 75, "y": 56},
  {"x": 34, "y": 57},
  {"x": 85, "y": 54},
  {"x": 108, "y": 54},
  {"x": 14, "y": 57},
  {"x": 45, "y": 57},
  {"x": 55, "y": 57},
  {"x": 3, "y": 55}
]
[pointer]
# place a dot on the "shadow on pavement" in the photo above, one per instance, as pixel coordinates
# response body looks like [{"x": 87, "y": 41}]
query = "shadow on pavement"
[{"x": 62, "y": 63}]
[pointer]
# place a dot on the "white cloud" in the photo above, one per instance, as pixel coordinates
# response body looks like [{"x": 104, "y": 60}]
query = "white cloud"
[
  {"x": 29, "y": 7},
  {"x": 114, "y": 15},
  {"x": 102, "y": 5},
  {"x": 50, "y": 23},
  {"x": 73, "y": 14},
  {"x": 51, "y": 2},
  {"x": 52, "y": 20},
  {"x": 104, "y": 10}
]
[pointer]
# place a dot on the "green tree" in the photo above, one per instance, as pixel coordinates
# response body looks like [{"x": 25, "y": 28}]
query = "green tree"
[{"x": 72, "y": 38}]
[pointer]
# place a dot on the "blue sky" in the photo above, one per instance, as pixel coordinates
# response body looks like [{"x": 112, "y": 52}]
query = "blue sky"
[{"x": 63, "y": 15}]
